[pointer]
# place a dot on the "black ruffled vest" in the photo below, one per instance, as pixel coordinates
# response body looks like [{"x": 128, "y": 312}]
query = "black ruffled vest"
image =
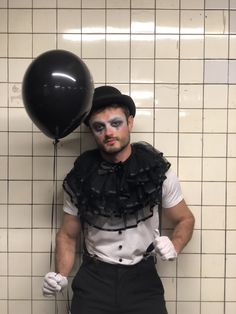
[{"x": 117, "y": 196}]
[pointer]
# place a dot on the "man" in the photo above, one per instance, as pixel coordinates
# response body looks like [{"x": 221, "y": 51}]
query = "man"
[{"x": 112, "y": 195}]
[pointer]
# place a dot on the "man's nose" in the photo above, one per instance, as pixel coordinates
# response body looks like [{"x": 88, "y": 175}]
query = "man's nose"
[{"x": 108, "y": 131}]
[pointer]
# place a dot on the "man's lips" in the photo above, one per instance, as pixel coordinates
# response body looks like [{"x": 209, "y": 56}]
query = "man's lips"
[{"x": 110, "y": 141}]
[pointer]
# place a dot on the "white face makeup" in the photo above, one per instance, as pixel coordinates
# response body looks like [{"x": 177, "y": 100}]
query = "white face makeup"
[
  {"x": 116, "y": 123},
  {"x": 111, "y": 130}
]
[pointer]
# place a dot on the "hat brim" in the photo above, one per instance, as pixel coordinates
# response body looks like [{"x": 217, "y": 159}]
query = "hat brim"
[{"x": 103, "y": 102}]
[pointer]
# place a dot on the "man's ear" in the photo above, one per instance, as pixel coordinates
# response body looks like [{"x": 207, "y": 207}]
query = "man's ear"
[{"x": 130, "y": 122}]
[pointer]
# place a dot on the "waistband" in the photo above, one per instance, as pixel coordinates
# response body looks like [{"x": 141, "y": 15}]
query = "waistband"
[{"x": 93, "y": 259}]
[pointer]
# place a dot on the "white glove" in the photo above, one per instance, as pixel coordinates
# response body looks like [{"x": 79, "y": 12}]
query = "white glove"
[
  {"x": 164, "y": 247},
  {"x": 53, "y": 283}
]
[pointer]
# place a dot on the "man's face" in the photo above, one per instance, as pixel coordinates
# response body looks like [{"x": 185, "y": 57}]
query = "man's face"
[{"x": 111, "y": 130}]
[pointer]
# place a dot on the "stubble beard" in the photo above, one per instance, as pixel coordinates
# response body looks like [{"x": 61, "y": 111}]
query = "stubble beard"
[{"x": 114, "y": 150}]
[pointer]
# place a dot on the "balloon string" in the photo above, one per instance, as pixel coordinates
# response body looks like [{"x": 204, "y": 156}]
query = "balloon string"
[
  {"x": 54, "y": 195},
  {"x": 53, "y": 211},
  {"x": 68, "y": 303}
]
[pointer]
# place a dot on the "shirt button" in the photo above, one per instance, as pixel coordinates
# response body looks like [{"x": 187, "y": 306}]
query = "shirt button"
[
  {"x": 120, "y": 247},
  {"x": 120, "y": 260}
]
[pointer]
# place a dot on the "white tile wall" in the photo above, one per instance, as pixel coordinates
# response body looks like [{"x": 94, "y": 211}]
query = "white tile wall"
[{"x": 176, "y": 58}]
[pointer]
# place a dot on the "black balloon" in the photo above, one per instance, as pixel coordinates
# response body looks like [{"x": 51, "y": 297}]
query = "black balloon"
[{"x": 57, "y": 92}]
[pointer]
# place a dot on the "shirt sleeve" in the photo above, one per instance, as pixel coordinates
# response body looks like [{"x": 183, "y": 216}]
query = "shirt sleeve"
[
  {"x": 68, "y": 206},
  {"x": 171, "y": 190}
]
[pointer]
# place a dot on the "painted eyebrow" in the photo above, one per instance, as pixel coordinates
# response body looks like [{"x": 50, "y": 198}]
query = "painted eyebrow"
[
  {"x": 109, "y": 121},
  {"x": 116, "y": 119},
  {"x": 98, "y": 123}
]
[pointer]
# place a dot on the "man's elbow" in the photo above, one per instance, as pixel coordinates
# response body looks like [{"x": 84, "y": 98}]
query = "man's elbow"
[
  {"x": 190, "y": 223},
  {"x": 64, "y": 237},
  {"x": 192, "y": 220}
]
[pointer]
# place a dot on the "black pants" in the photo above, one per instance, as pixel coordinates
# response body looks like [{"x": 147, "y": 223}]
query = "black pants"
[{"x": 102, "y": 288}]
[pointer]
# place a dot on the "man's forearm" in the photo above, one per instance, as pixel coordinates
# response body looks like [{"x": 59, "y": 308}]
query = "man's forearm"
[
  {"x": 182, "y": 233},
  {"x": 65, "y": 253}
]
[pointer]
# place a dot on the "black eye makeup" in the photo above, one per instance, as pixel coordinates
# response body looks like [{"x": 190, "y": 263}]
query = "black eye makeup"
[
  {"x": 98, "y": 127},
  {"x": 116, "y": 123}
]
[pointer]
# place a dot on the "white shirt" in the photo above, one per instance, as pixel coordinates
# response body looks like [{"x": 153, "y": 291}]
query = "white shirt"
[{"x": 128, "y": 246}]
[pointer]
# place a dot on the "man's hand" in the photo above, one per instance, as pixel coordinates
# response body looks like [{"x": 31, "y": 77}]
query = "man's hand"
[
  {"x": 53, "y": 283},
  {"x": 164, "y": 247}
]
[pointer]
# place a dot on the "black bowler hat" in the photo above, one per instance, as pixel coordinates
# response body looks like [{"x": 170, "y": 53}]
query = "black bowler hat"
[{"x": 109, "y": 95}]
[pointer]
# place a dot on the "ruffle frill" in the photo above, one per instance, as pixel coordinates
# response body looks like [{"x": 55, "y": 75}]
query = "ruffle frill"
[{"x": 116, "y": 196}]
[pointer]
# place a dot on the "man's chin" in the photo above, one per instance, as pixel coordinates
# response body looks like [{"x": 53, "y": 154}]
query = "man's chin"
[{"x": 112, "y": 150}]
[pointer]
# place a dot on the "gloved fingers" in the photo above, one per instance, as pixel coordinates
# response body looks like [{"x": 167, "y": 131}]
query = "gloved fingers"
[
  {"x": 54, "y": 279},
  {"x": 58, "y": 277},
  {"x": 48, "y": 295},
  {"x": 164, "y": 258},
  {"x": 53, "y": 283},
  {"x": 53, "y": 286},
  {"x": 49, "y": 292},
  {"x": 162, "y": 242},
  {"x": 61, "y": 280},
  {"x": 165, "y": 248},
  {"x": 50, "y": 282},
  {"x": 50, "y": 278},
  {"x": 171, "y": 256},
  {"x": 161, "y": 245}
]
